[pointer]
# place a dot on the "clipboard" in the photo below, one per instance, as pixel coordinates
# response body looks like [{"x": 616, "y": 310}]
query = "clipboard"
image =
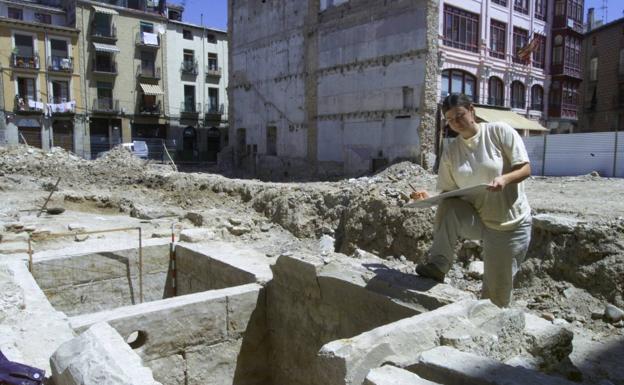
[{"x": 465, "y": 192}]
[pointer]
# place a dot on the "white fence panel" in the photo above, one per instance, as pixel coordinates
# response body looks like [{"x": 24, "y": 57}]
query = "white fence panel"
[
  {"x": 578, "y": 154},
  {"x": 619, "y": 168},
  {"x": 535, "y": 148}
]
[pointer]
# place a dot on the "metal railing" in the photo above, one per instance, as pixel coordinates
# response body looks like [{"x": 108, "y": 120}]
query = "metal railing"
[
  {"x": 189, "y": 67},
  {"x": 214, "y": 71},
  {"x": 518, "y": 103},
  {"x": 148, "y": 73},
  {"x": 105, "y": 68},
  {"x": 149, "y": 108},
  {"x": 26, "y": 104},
  {"x": 496, "y": 101},
  {"x": 60, "y": 64},
  {"x": 104, "y": 33},
  {"x": 214, "y": 109},
  {"x": 25, "y": 61},
  {"x": 190, "y": 108},
  {"x": 141, "y": 41},
  {"x": 537, "y": 106},
  {"x": 62, "y": 106},
  {"x": 106, "y": 105}
]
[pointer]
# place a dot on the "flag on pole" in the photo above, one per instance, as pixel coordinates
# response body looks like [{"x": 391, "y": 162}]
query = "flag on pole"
[{"x": 525, "y": 52}]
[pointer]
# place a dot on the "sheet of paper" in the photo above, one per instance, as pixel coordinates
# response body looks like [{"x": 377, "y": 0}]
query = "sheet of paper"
[{"x": 460, "y": 193}]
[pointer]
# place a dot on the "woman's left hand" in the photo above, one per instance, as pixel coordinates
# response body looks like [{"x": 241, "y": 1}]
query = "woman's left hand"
[{"x": 498, "y": 184}]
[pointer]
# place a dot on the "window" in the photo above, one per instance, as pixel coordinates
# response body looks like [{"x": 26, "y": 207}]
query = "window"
[
  {"x": 521, "y": 6},
  {"x": 570, "y": 94},
  {"x": 558, "y": 50},
  {"x": 575, "y": 10},
  {"x": 102, "y": 25},
  {"x": 59, "y": 55},
  {"x": 146, "y": 27},
  {"x": 461, "y": 29},
  {"x": 517, "y": 95},
  {"x": 621, "y": 66},
  {"x": 213, "y": 62},
  {"x": 520, "y": 40},
  {"x": 26, "y": 88},
  {"x": 271, "y": 141},
  {"x": 189, "y": 99},
  {"x": 16, "y": 13},
  {"x": 148, "y": 64},
  {"x": 104, "y": 62},
  {"x": 104, "y": 96},
  {"x": 211, "y": 38},
  {"x": 537, "y": 98},
  {"x": 43, "y": 18},
  {"x": 458, "y": 81},
  {"x": 593, "y": 69},
  {"x": 188, "y": 62},
  {"x": 572, "y": 53},
  {"x": 541, "y": 7},
  {"x": 539, "y": 55},
  {"x": 500, "y": 2},
  {"x": 498, "y": 32},
  {"x": 559, "y": 8},
  {"x": 24, "y": 45},
  {"x": 621, "y": 94},
  {"x": 60, "y": 91},
  {"x": 213, "y": 100},
  {"x": 496, "y": 89},
  {"x": 187, "y": 34}
]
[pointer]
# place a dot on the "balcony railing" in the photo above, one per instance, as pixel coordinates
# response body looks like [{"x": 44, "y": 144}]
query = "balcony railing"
[
  {"x": 149, "y": 108},
  {"x": 522, "y": 8},
  {"x": 148, "y": 73},
  {"x": 496, "y": 101},
  {"x": 23, "y": 61},
  {"x": 60, "y": 64},
  {"x": 25, "y": 104},
  {"x": 189, "y": 67},
  {"x": 214, "y": 111},
  {"x": 190, "y": 108},
  {"x": 62, "y": 106},
  {"x": 518, "y": 104},
  {"x": 104, "y": 68},
  {"x": 537, "y": 106},
  {"x": 104, "y": 33},
  {"x": 106, "y": 105},
  {"x": 214, "y": 71},
  {"x": 145, "y": 39}
]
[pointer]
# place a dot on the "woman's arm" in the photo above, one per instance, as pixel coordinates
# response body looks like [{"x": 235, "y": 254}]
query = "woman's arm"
[{"x": 517, "y": 174}]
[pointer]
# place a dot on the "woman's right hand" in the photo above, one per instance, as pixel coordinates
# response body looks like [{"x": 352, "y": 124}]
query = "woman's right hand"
[{"x": 419, "y": 195}]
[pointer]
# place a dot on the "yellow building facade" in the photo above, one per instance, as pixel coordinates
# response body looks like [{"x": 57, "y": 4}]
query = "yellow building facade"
[{"x": 42, "y": 95}]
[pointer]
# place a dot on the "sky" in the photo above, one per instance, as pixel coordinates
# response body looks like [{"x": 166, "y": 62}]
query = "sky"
[{"x": 215, "y": 11}]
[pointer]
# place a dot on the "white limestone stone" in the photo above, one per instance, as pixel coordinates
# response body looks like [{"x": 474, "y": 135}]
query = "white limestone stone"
[
  {"x": 391, "y": 375},
  {"x": 99, "y": 356}
]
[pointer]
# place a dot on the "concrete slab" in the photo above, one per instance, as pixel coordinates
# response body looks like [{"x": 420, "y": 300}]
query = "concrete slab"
[
  {"x": 99, "y": 356},
  {"x": 452, "y": 367},
  {"x": 391, "y": 375}
]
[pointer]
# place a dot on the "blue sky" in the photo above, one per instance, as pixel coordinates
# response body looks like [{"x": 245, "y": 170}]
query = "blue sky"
[{"x": 215, "y": 11}]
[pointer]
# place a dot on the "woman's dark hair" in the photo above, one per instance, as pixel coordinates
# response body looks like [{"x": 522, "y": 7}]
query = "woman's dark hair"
[{"x": 456, "y": 100}]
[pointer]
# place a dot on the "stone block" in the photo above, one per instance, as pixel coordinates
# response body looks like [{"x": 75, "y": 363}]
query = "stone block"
[
  {"x": 169, "y": 370},
  {"x": 555, "y": 224},
  {"x": 196, "y": 235},
  {"x": 240, "y": 308},
  {"x": 549, "y": 343},
  {"x": 452, "y": 367},
  {"x": 99, "y": 356},
  {"x": 391, "y": 375},
  {"x": 214, "y": 364}
]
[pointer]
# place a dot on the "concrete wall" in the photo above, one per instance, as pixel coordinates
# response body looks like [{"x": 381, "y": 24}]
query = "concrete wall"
[
  {"x": 342, "y": 87},
  {"x": 214, "y": 337},
  {"x": 94, "y": 282}
]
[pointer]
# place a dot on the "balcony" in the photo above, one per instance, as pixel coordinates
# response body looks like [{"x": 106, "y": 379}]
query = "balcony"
[
  {"x": 496, "y": 101},
  {"x": 25, "y": 62},
  {"x": 101, "y": 68},
  {"x": 106, "y": 34},
  {"x": 106, "y": 106},
  {"x": 60, "y": 64},
  {"x": 214, "y": 111},
  {"x": 215, "y": 72},
  {"x": 189, "y": 110},
  {"x": 189, "y": 67},
  {"x": 149, "y": 109},
  {"x": 147, "y": 40},
  {"x": 537, "y": 106},
  {"x": 148, "y": 73},
  {"x": 27, "y": 105},
  {"x": 61, "y": 106},
  {"x": 518, "y": 104}
]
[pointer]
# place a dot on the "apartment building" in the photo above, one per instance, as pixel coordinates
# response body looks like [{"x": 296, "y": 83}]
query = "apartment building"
[
  {"x": 123, "y": 59},
  {"x": 483, "y": 54},
  {"x": 42, "y": 97},
  {"x": 602, "y": 91},
  {"x": 331, "y": 87},
  {"x": 197, "y": 62}
]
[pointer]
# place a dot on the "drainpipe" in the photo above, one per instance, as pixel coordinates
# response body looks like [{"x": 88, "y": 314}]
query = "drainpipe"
[
  {"x": 203, "y": 77},
  {"x": 83, "y": 74},
  {"x": 47, "y": 80}
]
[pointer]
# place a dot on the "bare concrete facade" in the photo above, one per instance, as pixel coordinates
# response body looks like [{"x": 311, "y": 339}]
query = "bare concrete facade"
[{"x": 340, "y": 89}]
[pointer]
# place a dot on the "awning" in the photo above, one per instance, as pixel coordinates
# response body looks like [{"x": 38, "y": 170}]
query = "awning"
[
  {"x": 515, "y": 120},
  {"x": 106, "y": 11},
  {"x": 151, "y": 89},
  {"x": 105, "y": 47},
  {"x": 27, "y": 123}
]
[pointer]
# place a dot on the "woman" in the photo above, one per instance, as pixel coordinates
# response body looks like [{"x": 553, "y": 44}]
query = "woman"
[{"x": 494, "y": 154}]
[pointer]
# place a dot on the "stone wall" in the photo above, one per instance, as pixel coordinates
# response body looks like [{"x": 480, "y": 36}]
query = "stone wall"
[
  {"x": 214, "y": 337},
  {"x": 92, "y": 282}
]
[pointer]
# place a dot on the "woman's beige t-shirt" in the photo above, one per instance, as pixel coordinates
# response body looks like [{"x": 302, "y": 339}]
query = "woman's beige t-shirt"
[{"x": 493, "y": 151}]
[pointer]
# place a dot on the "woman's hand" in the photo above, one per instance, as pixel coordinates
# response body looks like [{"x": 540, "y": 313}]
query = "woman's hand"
[
  {"x": 419, "y": 195},
  {"x": 498, "y": 184}
]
